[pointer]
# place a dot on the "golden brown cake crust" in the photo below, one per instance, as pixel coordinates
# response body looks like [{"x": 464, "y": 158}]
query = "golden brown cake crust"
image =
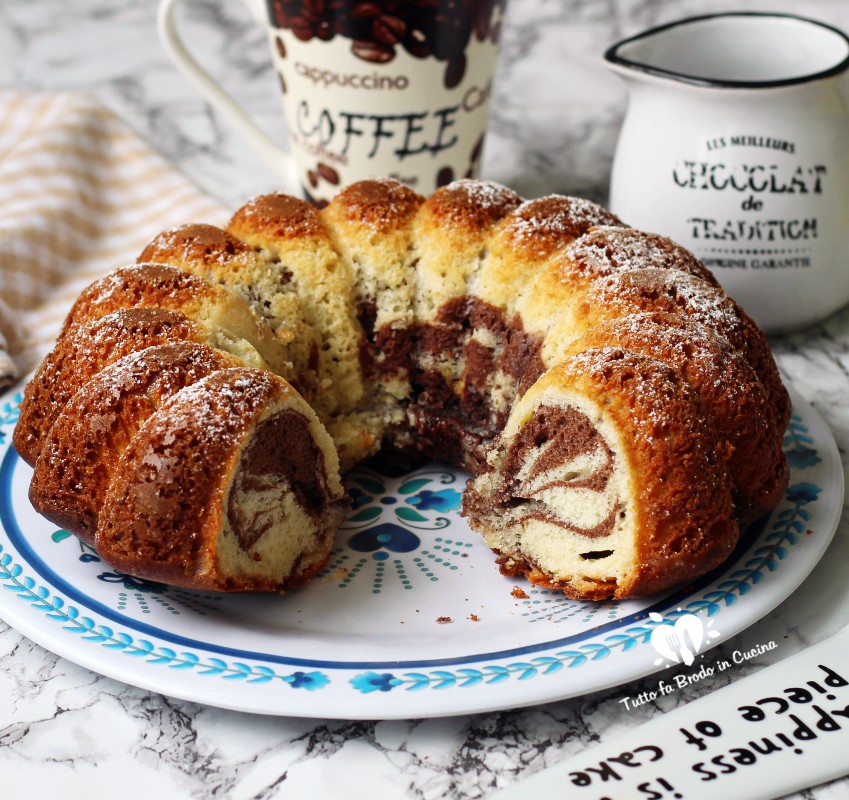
[
  {"x": 291, "y": 237},
  {"x": 188, "y": 451},
  {"x": 677, "y": 292},
  {"x": 139, "y": 286},
  {"x": 81, "y": 452},
  {"x": 375, "y": 206},
  {"x": 729, "y": 392},
  {"x": 195, "y": 243},
  {"x": 539, "y": 227},
  {"x": 467, "y": 207},
  {"x": 80, "y": 353},
  {"x": 609, "y": 250},
  {"x": 277, "y": 215}
]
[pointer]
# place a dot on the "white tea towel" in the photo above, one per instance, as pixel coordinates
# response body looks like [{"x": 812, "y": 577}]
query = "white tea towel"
[{"x": 80, "y": 194}]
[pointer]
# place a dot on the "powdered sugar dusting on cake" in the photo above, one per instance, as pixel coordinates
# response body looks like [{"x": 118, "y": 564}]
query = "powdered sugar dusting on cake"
[
  {"x": 146, "y": 279},
  {"x": 276, "y": 216},
  {"x": 669, "y": 327},
  {"x": 170, "y": 240},
  {"x": 485, "y": 194},
  {"x": 654, "y": 386},
  {"x": 194, "y": 244},
  {"x": 379, "y": 205},
  {"x": 155, "y": 373},
  {"x": 220, "y": 403},
  {"x": 682, "y": 342},
  {"x": 468, "y": 207},
  {"x": 393, "y": 205},
  {"x": 477, "y": 238},
  {"x": 592, "y": 214},
  {"x": 607, "y": 249},
  {"x": 541, "y": 226},
  {"x": 116, "y": 280},
  {"x": 675, "y": 292},
  {"x": 127, "y": 325}
]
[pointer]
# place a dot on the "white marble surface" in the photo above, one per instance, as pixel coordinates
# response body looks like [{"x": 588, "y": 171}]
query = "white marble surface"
[{"x": 65, "y": 731}]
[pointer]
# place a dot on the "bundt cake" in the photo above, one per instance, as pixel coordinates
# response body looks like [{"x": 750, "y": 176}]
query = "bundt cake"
[{"x": 620, "y": 415}]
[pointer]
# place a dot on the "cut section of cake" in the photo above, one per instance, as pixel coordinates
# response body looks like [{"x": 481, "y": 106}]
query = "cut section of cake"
[{"x": 607, "y": 481}]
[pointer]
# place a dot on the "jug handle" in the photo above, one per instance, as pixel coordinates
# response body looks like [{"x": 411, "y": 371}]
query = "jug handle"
[{"x": 278, "y": 159}]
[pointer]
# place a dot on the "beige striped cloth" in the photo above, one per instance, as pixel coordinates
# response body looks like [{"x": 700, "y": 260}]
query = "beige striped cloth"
[{"x": 80, "y": 194}]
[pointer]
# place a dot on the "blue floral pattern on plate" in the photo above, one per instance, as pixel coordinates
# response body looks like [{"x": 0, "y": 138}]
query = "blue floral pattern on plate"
[{"x": 404, "y": 537}]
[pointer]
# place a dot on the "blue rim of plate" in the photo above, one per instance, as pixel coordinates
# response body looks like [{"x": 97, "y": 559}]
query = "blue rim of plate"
[{"x": 762, "y": 550}]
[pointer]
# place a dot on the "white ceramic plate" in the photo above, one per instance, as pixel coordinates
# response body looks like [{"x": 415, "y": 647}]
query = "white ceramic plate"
[{"x": 410, "y": 618}]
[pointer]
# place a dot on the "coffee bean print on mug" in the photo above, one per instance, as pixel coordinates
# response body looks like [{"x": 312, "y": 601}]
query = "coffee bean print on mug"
[{"x": 384, "y": 88}]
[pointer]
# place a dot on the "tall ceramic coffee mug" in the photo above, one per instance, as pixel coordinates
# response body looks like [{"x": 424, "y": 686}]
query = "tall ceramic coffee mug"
[
  {"x": 736, "y": 144},
  {"x": 370, "y": 88}
]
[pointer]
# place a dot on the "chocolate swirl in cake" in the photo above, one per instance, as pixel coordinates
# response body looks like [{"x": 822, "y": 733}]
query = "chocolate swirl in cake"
[
  {"x": 561, "y": 452},
  {"x": 280, "y": 458}
]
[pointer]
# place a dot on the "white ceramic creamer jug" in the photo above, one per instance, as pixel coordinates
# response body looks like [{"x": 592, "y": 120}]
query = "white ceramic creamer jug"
[{"x": 736, "y": 145}]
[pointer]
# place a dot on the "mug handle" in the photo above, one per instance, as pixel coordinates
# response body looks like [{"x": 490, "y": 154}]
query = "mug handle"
[{"x": 278, "y": 159}]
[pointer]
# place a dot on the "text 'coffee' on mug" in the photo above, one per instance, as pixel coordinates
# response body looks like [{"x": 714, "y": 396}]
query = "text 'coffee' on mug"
[{"x": 370, "y": 89}]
